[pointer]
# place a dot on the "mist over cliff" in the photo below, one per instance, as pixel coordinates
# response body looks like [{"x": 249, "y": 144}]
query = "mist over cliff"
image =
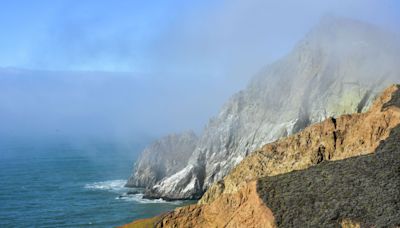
[
  {"x": 177, "y": 55},
  {"x": 339, "y": 67},
  {"x": 188, "y": 100}
]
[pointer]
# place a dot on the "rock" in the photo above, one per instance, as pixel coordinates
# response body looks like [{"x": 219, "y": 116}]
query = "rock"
[
  {"x": 162, "y": 158},
  {"x": 338, "y": 68},
  {"x": 186, "y": 184},
  {"x": 353, "y": 182},
  {"x": 134, "y": 192},
  {"x": 362, "y": 191},
  {"x": 244, "y": 208},
  {"x": 333, "y": 139}
]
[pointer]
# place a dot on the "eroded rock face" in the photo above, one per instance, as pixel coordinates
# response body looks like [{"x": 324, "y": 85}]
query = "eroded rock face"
[
  {"x": 338, "y": 68},
  {"x": 241, "y": 209},
  {"x": 333, "y": 139},
  {"x": 362, "y": 191},
  {"x": 162, "y": 158},
  {"x": 353, "y": 182}
]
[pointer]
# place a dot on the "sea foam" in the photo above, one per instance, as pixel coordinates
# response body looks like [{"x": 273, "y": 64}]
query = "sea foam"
[
  {"x": 111, "y": 185},
  {"x": 118, "y": 186}
]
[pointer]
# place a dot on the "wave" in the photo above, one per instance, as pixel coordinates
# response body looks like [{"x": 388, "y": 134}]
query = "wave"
[
  {"x": 111, "y": 185},
  {"x": 138, "y": 198},
  {"x": 126, "y": 194}
]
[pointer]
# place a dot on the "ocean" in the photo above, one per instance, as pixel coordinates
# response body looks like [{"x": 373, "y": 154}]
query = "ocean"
[{"x": 62, "y": 185}]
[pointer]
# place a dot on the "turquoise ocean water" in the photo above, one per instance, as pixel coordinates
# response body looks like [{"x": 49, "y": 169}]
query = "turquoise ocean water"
[{"x": 61, "y": 185}]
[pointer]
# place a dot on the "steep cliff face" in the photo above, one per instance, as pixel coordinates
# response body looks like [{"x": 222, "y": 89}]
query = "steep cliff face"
[
  {"x": 352, "y": 182},
  {"x": 162, "y": 158},
  {"x": 333, "y": 139},
  {"x": 338, "y": 68}
]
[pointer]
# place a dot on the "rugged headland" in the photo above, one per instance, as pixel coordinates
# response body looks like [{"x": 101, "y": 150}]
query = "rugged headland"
[
  {"x": 274, "y": 153},
  {"x": 162, "y": 158},
  {"x": 343, "y": 172},
  {"x": 338, "y": 68}
]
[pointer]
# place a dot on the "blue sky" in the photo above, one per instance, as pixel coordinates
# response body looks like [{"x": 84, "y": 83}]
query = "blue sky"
[
  {"x": 85, "y": 35},
  {"x": 171, "y": 63},
  {"x": 143, "y": 36}
]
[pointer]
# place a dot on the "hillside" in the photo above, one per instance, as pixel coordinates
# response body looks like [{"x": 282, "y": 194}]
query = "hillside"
[
  {"x": 361, "y": 191},
  {"x": 351, "y": 182},
  {"x": 332, "y": 139},
  {"x": 338, "y": 68}
]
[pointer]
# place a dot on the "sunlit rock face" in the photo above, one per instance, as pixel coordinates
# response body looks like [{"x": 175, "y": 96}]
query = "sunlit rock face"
[
  {"x": 342, "y": 172},
  {"x": 339, "y": 67},
  {"x": 332, "y": 139},
  {"x": 162, "y": 158},
  {"x": 360, "y": 191}
]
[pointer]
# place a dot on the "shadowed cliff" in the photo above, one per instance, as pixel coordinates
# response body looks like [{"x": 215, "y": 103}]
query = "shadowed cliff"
[{"x": 362, "y": 190}]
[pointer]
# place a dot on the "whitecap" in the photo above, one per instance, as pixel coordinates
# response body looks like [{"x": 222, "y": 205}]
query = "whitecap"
[
  {"x": 138, "y": 198},
  {"x": 118, "y": 186},
  {"x": 111, "y": 185}
]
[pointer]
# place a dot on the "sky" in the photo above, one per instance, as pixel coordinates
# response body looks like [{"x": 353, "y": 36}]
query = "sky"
[
  {"x": 148, "y": 36},
  {"x": 126, "y": 69}
]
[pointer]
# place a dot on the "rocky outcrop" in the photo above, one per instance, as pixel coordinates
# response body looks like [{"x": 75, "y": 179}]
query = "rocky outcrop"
[
  {"x": 333, "y": 139},
  {"x": 240, "y": 209},
  {"x": 338, "y": 68},
  {"x": 353, "y": 182},
  {"x": 357, "y": 192},
  {"x": 162, "y": 158}
]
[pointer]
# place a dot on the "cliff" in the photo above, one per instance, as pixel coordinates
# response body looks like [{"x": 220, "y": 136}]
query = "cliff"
[
  {"x": 244, "y": 208},
  {"x": 341, "y": 172},
  {"x": 338, "y": 68},
  {"x": 356, "y": 192},
  {"x": 333, "y": 139},
  {"x": 162, "y": 158}
]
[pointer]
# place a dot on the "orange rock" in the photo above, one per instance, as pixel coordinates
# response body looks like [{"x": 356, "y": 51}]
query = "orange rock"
[
  {"x": 332, "y": 139},
  {"x": 241, "y": 209},
  {"x": 234, "y": 202}
]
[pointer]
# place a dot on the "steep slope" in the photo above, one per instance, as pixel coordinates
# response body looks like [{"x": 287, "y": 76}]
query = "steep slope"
[
  {"x": 362, "y": 190},
  {"x": 240, "y": 209},
  {"x": 338, "y": 68},
  {"x": 333, "y": 139},
  {"x": 162, "y": 158}
]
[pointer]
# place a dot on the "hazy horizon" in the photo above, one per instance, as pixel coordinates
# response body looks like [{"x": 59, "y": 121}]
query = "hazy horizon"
[
  {"x": 89, "y": 90},
  {"x": 125, "y": 71}
]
